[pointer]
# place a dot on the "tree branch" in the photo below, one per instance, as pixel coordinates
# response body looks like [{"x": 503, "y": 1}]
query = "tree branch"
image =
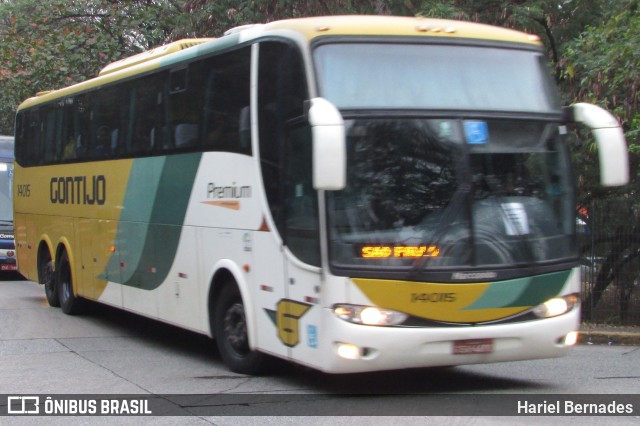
[{"x": 552, "y": 42}]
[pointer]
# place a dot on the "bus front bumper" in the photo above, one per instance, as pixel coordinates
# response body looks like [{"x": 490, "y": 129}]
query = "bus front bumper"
[{"x": 356, "y": 348}]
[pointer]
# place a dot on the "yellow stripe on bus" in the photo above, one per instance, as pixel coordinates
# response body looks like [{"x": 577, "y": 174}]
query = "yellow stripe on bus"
[{"x": 433, "y": 301}]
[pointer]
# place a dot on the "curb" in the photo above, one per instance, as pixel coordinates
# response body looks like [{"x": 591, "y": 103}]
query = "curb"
[{"x": 609, "y": 337}]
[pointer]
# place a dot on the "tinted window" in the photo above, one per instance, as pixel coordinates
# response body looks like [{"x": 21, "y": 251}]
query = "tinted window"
[
  {"x": 147, "y": 130},
  {"x": 226, "y": 88},
  {"x": 285, "y": 149},
  {"x": 200, "y": 106}
]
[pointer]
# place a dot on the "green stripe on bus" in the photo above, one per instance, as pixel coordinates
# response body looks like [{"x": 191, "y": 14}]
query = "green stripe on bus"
[
  {"x": 151, "y": 222},
  {"x": 542, "y": 288},
  {"x": 521, "y": 292}
]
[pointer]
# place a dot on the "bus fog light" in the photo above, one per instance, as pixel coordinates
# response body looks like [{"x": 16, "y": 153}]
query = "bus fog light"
[
  {"x": 348, "y": 351},
  {"x": 556, "y": 306},
  {"x": 369, "y": 315},
  {"x": 571, "y": 338}
]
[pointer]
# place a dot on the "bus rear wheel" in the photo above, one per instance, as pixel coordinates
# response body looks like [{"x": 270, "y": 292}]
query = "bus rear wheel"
[
  {"x": 47, "y": 277},
  {"x": 231, "y": 334},
  {"x": 70, "y": 303}
]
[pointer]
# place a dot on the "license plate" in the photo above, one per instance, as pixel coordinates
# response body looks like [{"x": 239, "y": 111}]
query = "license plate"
[
  {"x": 472, "y": 347},
  {"x": 8, "y": 268}
]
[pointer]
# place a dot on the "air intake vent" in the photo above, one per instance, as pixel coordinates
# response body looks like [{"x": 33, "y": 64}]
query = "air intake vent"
[
  {"x": 242, "y": 28},
  {"x": 176, "y": 46}
]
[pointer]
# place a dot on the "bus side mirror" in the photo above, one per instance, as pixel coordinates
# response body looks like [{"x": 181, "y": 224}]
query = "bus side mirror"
[
  {"x": 612, "y": 147},
  {"x": 329, "y": 146}
]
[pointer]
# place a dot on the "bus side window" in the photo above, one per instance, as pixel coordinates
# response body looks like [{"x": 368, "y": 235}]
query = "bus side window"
[
  {"x": 81, "y": 120},
  {"x": 20, "y": 138},
  {"x": 185, "y": 104},
  {"x": 49, "y": 133},
  {"x": 67, "y": 139},
  {"x": 226, "y": 101},
  {"x": 147, "y": 125},
  {"x": 109, "y": 108},
  {"x": 27, "y": 137}
]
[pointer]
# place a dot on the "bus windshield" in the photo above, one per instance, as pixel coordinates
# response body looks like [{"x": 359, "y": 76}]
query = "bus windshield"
[
  {"x": 429, "y": 187},
  {"x": 436, "y": 77},
  {"x": 452, "y": 193}
]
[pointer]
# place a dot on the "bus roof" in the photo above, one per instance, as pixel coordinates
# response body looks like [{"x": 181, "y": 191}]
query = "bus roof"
[
  {"x": 310, "y": 28},
  {"x": 400, "y": 26}
]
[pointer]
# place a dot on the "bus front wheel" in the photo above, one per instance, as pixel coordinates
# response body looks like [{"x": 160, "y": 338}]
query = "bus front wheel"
[{"x": 230, "y": 332}]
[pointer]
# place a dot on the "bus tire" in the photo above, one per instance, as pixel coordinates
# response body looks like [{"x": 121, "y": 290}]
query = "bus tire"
[
  {"x": 230, "y": 332},
  {"x": 70, "y": 303},
  {"x": 46, "y": 275}
]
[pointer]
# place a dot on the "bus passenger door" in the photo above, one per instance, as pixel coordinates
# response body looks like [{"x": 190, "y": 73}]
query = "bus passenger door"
[
  {"x": 269, "y": 287},
  {"x": 302, "y": 248},
  {"x": 287, "y": 272},
  {"x": 284, "y": 145},
  {"x": 288, "y": 257}
]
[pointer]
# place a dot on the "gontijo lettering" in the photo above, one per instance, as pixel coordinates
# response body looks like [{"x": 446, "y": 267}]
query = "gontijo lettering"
[{"x": 78, "y": 190}]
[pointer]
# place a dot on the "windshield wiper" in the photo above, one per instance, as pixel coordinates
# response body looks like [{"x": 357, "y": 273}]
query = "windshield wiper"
[{"x": 448, "y": 215}]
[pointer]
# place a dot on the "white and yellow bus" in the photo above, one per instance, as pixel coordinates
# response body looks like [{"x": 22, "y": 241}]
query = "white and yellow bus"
[{"x": 349, "y": 193}]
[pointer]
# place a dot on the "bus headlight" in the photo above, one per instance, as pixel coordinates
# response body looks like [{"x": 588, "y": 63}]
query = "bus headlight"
[
  {"x": 369, "y": 315},
  {"x": 556, "y": 306}
]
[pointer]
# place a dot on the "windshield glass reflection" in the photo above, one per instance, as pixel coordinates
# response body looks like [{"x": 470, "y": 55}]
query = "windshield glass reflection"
[{"x": 440, "y": 193}]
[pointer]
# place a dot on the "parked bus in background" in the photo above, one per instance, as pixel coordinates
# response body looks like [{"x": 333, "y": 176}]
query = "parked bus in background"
[
  {"x": 7, "y": 247},
  {"x": 349, "y": 193}
]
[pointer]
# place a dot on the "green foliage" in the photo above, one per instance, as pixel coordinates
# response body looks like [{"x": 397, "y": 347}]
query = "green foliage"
[
  {"x": 603, "y": 62},
  {"x": 47, "y": 44},
  {"x": 555, "y": 21},
  {"x": 601, "y": 65},
  {"x": 212, "y": 18}
]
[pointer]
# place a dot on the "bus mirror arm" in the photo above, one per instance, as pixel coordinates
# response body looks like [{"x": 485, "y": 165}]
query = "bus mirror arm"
[
  {"x": 329, "y": 145},
  {"x": 609, "y": 137}
]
